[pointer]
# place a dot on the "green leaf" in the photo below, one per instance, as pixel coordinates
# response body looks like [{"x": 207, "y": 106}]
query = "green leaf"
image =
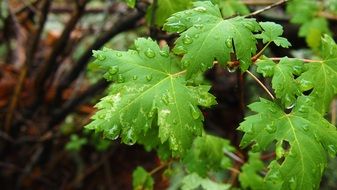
[
  {"x": 271, "y": 33},
  {"x": 206, "y": 36},
  {"x": 322, "y": 76},
  {"x": 141, "y": 179},
  {"x": 231, "y": 7},
  {"x": 302, "y": 11},
  {"x": 283, "y": 82},
  {"x": 313, "y": 30},
  {"x": 75, "y": 143},
  {"x": 208, "y": 154},
  {"x": 130, "y": 3},
  {"x": 250, "y": 177},
  {"x": 310, "y": 137},
  {"x": 194, "y": 181},
  {"x": 151, "y": 90},
  {"x": 165, "y": 8}
]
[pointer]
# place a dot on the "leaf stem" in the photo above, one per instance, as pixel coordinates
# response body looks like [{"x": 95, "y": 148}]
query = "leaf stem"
[
  {"x": 258, "y": 55},
  {"x": 261, "y": 84},
  {"x": 160, "y": 167},
  {"x": 304, "y": 60},
  {"x": 234, "y": 157}
]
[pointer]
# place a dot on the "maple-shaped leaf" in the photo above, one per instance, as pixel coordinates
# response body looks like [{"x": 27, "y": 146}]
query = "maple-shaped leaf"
[
  {"x": 141, "y": 179},
  {"x": 313, "y": 30},
  {"x": 207, "y": 37},
  {"x": 306, "y": 137},
  {"x": 231, "y": 7},
  {"x": 150, "y": 87},
  {"x": 194, "y": 181},
  {"x": 208, "y": 154},
  {"x": 283, "y": 81},
  {"x": 165, "y": 8},
  {"x": 302, "y": 11},
  {"x": 271, "y": 33},
  {"x": 322, "y": 76},
  {"x": 250, "y": 177}
]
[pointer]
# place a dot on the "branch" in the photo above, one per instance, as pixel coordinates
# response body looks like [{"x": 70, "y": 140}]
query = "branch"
[
  {"x": 266, "y": 8},
  {"x": 122, "y": 25},
  {"x": 31, "y": 49},
  {"x": 261, "y": 84}
]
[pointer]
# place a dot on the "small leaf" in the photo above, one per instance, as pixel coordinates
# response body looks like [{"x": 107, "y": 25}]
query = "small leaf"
[
  {"x": 141, "y": 179},
  {"x": 271, "y": 33}
]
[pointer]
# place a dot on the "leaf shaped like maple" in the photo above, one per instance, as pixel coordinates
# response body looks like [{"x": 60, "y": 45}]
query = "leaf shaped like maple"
[
  {"x": 283, "y": 82},
  {"x": 313, "y": 30},
  {"x": 150, "y": 87},
  {"x": 250, "y": 178},
  {"x": 206, "y": 36},
  {"x": 208, "y": 154},
  {"x": 322, "y": 76},
  {"x": 311, "y": 138},
  {"x": 165, "y": 8},
  {"x": 194, "y": 181},
  {"x": 271, "y": 33},
  {"x": 302, "y": 10},
  {"x": 231, "y": 7}
]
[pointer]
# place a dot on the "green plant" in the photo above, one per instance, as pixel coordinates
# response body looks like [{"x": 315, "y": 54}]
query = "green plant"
[{"x": 157, "y": 98}]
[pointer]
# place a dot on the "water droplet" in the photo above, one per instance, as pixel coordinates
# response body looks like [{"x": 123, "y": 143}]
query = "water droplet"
[
  {"x": 185, "y": 63},
  {"x": 332, "y": 150},
  {"x": 249, "y": 26},
  {"x": 101, "y": 57},
  {"x": 150, "y": 53},
  {"x": 135, "y": 77},
  {"x": 229, "y": 43},
  {"x": 306, "y": 85},
  {"x": 290, "y": 107},
  {"x": 148, "y": 78},
  {"x": 151, "y": 113},
  {"x": 175, "y": 121},
  {"x": 200, "y": 9},
  {"x": 112, "y": 133},
  {"x": 305, "y": 127},
  {"x": 231, "y": 69},
  {"x": 165, "y": 99},
  {"x": 113, "y": 70},
  {"x": 164, "y": 53},
  {"x": 180, "y": 50},
  {"x": 119, "y": 54},
  {"x": 120, "y": 78},
  {"x": 196, "y": 36},
  {"x": 271, "y": 128},
  {"x": 187, "y": 40},
  {"x": 302, "y": 109},
  {"x": 198, "y": 26},
  {"x": 101, "y": 116},
  {"x": 272, "y": 110},
  {"x": 195, "y": 113}
]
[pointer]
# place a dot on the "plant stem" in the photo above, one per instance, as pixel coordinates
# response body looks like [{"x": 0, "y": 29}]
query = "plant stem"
[
  {"x": 266, "y": 8},
  {"x": 304, "y": 60},
  {"x": 161, "y": 166},
  {"x": 261, "y": 84},
  {"x": 258, "y": 55}
]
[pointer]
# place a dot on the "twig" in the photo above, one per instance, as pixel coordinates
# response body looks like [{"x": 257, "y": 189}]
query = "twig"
[
  {"x": 160, "y": 167},
  {"x": 257, "y": 2},
  {"x": 258, "y": 55},
  {"x": 121, "y": 26},
  {"x": 334, "y": 112},
  {"x": 234, "y": 157},
  {"x": 261, "y": 84},
  {"x": 266, "y": 8},
  {"x": 327, "y": 15},
  {"x": 304, "y": 60},
  {"x": 29, "y": 60}
]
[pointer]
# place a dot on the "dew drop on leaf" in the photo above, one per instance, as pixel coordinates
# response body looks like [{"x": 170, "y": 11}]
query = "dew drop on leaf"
[
  {"x": 196, "y": 36},
  {"x": 180, "y": 50},
  {"x": 165, "y": 99},
  {"x": 200, "y": 9},
  {"x": 185, "y": 63},
  {"x": 119, "y": 54},
  {"x": 271, "y": 128},
  {"x": 198, "y": 26},
  {"x": 332, "y": 150},
  {"x": 229, "y": 43},
  {"x": 113, "y": 70},
  {"x": 195, "y": 113},
  {"x": 305, "y": 127},
  {"x": 135, "y": 77},
  {"x": 187, "y": 40},
  {"x": 249, "y": 26},
  {"x": 150, "y": 53},
  {"x": 148, "y": 78},
  {"x": 101, "y": 57},
  {"x": 306, "y": 85},
  {"x": 120, "y": 78},
  {"x": 164, "y": 53}
]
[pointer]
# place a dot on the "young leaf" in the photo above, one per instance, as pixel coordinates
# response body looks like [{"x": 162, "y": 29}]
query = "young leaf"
[
  {"x": 194, "y": 181},
  {"x": 309, "y": 135},
  {"x": 322, "y": 76},
  {"x": 208, "y": 154},
  {"x": 251, "y": 179},
  {"x": 206, "y": 36},
  {"x": 271, "y": 33},
  {"x": 141, "y": 179},
  {"x": 151, "y": 87},
  {"x": 283, "y": 82}
]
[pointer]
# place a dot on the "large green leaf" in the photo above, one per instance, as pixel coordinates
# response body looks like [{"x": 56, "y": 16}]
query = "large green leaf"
[
  {"x": 283, "y": 82},
  {"x": 151, "y": 90},
  {"x": 304, "y": 134},
  {"x": 206, "y": 36},
  {"x": 322, "y": 76}
]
